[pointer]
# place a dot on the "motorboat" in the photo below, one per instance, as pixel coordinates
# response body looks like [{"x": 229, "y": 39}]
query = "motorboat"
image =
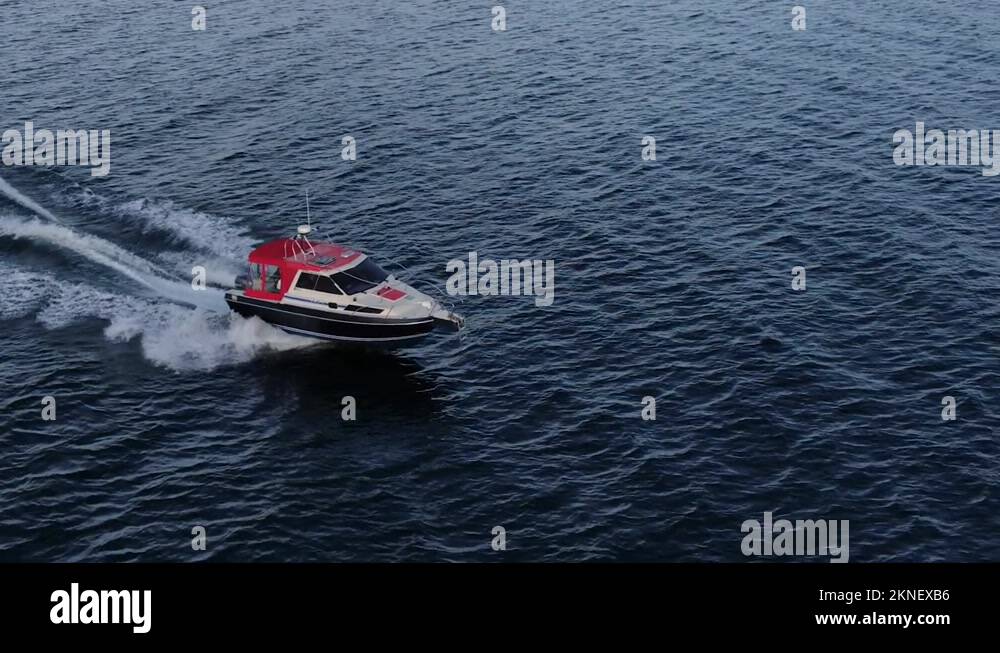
[{"x": 332, "y": 292}]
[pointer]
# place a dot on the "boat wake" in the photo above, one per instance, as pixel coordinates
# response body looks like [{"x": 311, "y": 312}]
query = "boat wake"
[
  {"x": 217, "y": 243},
  {"x": 179, "y": 328},
  {"x": 20, "y": 198},
  {"x": 212, "y": 234},
  {"x": 172, "y": 336},
  {"x": 99, "y": 251}
]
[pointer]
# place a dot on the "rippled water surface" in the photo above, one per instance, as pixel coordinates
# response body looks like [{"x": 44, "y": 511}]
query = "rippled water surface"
[{"x": 673, "y": 280}]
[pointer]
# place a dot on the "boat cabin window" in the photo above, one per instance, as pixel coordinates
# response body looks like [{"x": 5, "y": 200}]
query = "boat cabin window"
[
  {"x": 306, "y": 281},
  {"x": 326, "y": 284},
  {"x": 256, "y": 276},
  {"x": 273, "y": 279},
  {"x": 317, "y": 282},
  {"x": 363, "y": 276}
]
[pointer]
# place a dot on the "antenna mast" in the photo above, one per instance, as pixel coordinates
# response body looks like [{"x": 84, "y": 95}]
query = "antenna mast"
[
  {"x": 302, "y": 233},
  {"x": 308, "y": 215}
]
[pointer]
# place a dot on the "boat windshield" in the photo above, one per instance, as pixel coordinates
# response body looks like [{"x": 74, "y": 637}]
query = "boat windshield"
[{"x": 361, "y": 277}]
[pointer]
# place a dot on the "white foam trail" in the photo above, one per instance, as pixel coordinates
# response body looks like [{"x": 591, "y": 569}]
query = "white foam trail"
[
  {"x": 220, "y": 272},
  {"x": 110, "y": 255},
  {"x": 23, "y": 292},
  {"x": 209, "y": 233},
  {"x": 17, "y": 196},
  {"x": 195, "y": 340},
  {"x": 171, "y": 336},
  {"x": 224, "y": 239},
  {"x": 213, "y": 234}
]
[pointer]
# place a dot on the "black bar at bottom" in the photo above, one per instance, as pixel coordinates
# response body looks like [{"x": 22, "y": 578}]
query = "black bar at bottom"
[{"x": 245, "y": 602}]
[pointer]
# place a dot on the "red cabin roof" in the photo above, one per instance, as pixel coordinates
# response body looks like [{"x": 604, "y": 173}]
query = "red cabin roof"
[{"x": 297, "y": 254}]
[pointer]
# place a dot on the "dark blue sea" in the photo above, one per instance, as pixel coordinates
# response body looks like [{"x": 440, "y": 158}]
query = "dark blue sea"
[{"x": 673, "y": 280}]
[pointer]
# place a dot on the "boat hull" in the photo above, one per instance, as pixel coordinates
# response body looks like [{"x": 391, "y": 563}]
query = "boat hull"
[{"x": 326, "y": 325}]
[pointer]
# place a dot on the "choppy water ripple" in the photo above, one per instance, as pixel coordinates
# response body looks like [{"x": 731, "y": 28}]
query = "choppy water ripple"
[{"x": 672, "y": 280}]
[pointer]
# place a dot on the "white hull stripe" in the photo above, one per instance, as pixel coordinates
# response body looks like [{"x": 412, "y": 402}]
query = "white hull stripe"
[{"x": 323, "y": 336}]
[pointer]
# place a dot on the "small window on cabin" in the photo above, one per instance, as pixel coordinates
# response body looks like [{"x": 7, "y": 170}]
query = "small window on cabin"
[
  {"x": 325, "y": 284},
  {"x": 306, "y": 281},
  {"x": 273, "y": 279},
  {"x": 256, "y": 275}
]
